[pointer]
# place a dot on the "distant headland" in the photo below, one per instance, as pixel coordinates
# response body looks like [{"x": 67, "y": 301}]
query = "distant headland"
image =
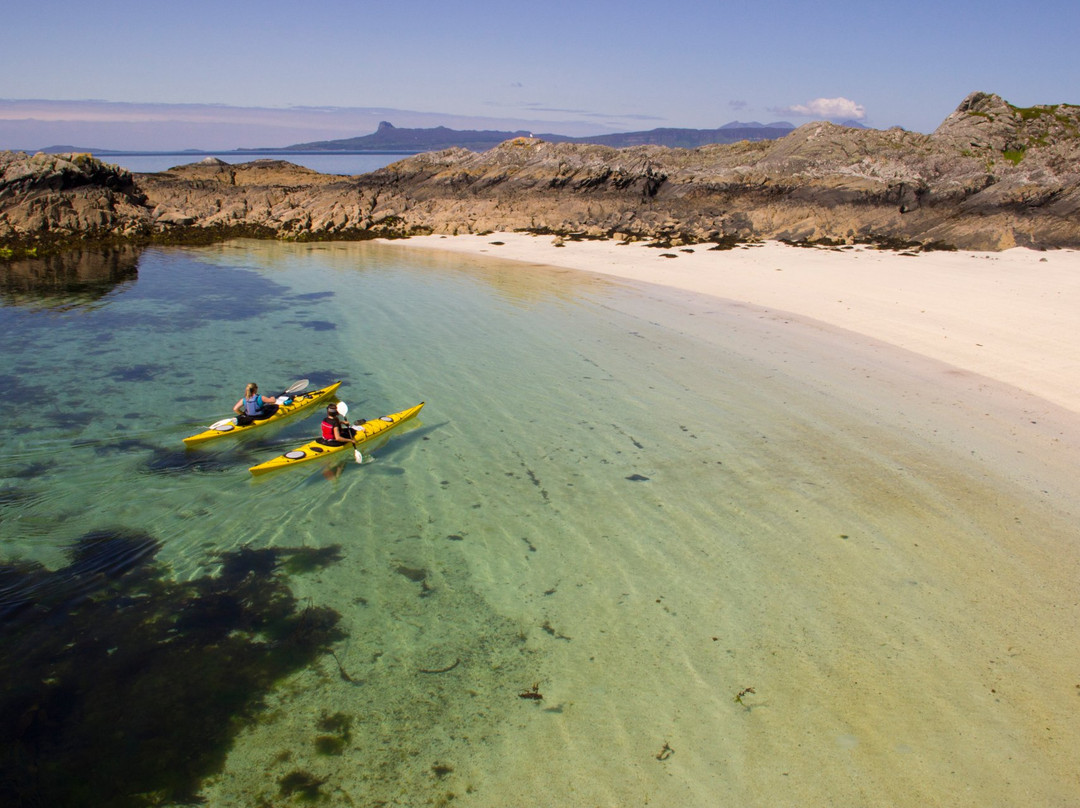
[{"x": 388, "y": 136}]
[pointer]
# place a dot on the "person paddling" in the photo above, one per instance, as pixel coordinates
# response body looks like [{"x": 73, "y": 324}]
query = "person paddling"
[
  {"x": 253, "y": 406},
  {"x": 336, "y": 430}
]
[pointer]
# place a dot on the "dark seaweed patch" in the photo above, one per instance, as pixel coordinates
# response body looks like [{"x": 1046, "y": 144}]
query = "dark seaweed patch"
[
  {"x": 32, "y": 471},
  {"x": 338, "y": 729},
  {"x": 18, "y": 394},
  {"x": 309, "y": 559},
  {"x": 120, "y": 687},
  {"x": 137, "y": 373},
  {"x": 19, "y": 583},
  {"x": 14, "y": 496},
  {"x": 118, "y": 446},
  {"x": 318, "y": 325},
  {"x": 304, "y": 785},
  {"x": 330, "y": 745},
  {"x": 313, "y": 296},
  {"x": 178, "y": 461},
  {"x": 79, "y": 418},
  {"x": 109, "y": 553}
]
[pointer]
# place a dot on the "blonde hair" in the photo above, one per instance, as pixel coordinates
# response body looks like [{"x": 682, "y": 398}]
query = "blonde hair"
[{"x": 252, "y": 388}]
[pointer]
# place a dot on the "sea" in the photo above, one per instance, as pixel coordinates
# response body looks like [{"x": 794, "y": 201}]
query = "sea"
[
  {"x": 639, "y": 548},
  {"x": 343, "y": 163}
]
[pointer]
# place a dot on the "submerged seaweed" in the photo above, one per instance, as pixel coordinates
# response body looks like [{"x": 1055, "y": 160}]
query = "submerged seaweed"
[
  {"x": 120, "y": 687},
  {"x": 182, "y": 461}
]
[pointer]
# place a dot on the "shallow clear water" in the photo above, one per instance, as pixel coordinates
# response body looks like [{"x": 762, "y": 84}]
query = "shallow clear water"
[{"x": 633, "y": 503}]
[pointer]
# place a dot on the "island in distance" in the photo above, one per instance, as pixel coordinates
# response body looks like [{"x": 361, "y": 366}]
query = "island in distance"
[{"x": 390, "y": 138}]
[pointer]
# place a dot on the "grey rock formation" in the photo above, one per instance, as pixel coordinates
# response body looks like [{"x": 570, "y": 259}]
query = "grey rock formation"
[
  {"x": 72, "y": 196},
  {"x": 992, "y": 176}
]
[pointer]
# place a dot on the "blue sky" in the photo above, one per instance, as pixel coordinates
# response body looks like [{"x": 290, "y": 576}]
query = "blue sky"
[{"x": 274, "y": 73}]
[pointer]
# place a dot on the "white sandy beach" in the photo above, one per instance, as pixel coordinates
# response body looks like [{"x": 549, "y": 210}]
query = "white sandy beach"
[{"x": 1009, "y": 316}]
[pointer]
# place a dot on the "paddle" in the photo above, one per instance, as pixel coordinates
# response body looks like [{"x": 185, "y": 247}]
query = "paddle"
[
  {"x": 343, "y": 410},
  {"x": 295, "y": 387}
]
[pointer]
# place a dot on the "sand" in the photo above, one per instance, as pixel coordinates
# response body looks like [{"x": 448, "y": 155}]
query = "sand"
[{"x": 1008, "y": 316}]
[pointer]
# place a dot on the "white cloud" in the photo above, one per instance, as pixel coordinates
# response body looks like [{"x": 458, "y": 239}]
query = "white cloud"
[{"x": 828, "y": 108}]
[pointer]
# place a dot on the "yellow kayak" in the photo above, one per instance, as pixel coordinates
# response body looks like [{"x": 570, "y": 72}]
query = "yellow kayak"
[
  {"x": 229, "y": 426},
  {"x": 317, "y": 448}
]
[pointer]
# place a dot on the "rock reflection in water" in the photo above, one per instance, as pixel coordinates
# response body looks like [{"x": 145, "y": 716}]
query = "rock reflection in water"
[{"x": 70, "y": 280}]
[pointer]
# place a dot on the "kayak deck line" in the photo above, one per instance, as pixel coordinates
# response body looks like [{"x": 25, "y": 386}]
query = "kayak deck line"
[
  {"x": 316, "y": 448},
  {"x": 298, "y": 402}
]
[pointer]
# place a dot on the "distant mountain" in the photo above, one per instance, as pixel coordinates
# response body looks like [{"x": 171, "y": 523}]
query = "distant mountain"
[
  {"x": 756, "y": 125},
  {"x": 98, "y": 152},
  {"x": 685, "y": 138},
  {"x": 389, "y": 137},
  {"x": 67, "y": 150}
]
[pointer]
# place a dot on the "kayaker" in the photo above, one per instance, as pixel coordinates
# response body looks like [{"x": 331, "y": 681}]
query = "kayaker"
[
  {"x": 253, "y": 406},
  {"x": 336, "y": 430}
]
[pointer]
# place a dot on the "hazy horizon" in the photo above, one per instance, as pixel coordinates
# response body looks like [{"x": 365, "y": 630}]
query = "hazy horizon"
[{"x": 34, "y": 125}]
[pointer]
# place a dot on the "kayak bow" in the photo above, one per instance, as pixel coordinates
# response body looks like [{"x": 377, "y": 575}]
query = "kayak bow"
[
  {"x": 317, "y": 448},
  {"x": 229, "y": 427}
]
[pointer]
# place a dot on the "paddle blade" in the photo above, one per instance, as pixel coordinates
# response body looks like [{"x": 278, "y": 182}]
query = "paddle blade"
[
  {"x": 359, "y": 457},
  {"x": 222, "y": 424},
  {"x": 342, "y": 408},
  {"x": 296, "y": 387}
]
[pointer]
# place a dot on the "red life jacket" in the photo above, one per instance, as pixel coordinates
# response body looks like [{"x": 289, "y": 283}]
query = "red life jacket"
[{"x": 327, "y": 429}]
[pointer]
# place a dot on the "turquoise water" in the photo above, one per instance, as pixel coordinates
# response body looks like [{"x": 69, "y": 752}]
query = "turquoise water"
[{"x": 620, "y": 509}]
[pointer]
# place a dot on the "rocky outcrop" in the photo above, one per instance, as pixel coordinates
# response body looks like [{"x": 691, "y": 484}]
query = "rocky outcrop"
[
  {"x": 992, "y": 176},
  {"x": 48, "y": 197}
]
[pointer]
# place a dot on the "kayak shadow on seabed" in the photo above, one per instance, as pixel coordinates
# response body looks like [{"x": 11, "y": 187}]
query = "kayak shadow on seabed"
[{"x": 394, "y": 444}]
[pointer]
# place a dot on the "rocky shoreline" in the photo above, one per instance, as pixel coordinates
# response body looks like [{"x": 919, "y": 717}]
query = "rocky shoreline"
[{"x": 991, "y": 177}]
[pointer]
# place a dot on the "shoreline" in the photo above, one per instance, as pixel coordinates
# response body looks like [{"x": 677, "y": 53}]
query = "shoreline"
[{"x": 1005, "y": 316}]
